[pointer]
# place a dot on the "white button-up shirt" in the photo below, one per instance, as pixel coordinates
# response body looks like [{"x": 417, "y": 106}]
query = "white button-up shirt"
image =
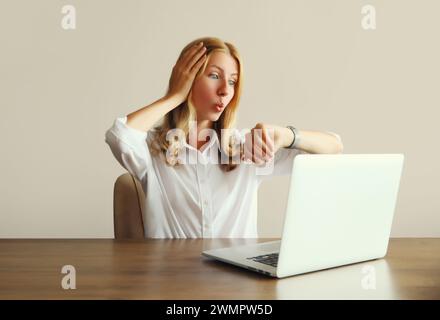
[{"x": 196, "y": 200}]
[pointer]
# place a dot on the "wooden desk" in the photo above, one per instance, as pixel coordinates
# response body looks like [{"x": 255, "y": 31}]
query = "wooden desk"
[{"x": 174, "y": 269}]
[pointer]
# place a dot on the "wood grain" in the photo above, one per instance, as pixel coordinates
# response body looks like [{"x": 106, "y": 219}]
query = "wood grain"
[{"x": 174, "y": 269}]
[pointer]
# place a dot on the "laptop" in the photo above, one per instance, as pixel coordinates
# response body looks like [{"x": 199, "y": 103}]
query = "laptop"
[{"x": 339, "y": 211}]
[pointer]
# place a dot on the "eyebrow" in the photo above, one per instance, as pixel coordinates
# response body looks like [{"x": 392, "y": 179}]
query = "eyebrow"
[{"x": 214, "y": 66}]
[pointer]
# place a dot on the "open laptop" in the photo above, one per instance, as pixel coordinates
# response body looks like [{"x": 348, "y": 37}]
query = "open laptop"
[{"x": 339, "y": 211}]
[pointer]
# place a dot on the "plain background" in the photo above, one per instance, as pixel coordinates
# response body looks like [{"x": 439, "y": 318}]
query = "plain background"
[{"x": 306, "y": 63}]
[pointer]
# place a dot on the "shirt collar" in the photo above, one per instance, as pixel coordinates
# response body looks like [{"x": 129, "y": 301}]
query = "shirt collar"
[{"x": 206, "y": 148}]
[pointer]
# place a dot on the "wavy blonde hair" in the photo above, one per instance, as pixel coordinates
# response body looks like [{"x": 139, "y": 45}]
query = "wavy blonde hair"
[{"x": 180, "y": 117}]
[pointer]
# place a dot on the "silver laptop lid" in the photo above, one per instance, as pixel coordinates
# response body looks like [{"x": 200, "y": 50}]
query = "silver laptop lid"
[{"x": 340, "y": 210}]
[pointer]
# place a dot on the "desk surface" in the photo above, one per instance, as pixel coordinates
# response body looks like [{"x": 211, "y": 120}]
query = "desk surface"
[{"x": 174, "y": 269}]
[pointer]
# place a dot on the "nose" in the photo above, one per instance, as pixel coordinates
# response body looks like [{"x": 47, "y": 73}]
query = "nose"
[{"x": 224, "y": 88}]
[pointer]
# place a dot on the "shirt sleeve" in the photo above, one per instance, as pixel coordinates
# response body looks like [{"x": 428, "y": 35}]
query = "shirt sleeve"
[{"x": 130, "y": 148}]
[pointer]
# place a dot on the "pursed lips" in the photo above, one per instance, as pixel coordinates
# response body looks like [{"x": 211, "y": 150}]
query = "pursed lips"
[{"x": 218, "y": 107}]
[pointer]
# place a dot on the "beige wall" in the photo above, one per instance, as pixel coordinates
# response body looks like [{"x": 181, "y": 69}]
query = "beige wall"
[{"x": 307, "y": 63}]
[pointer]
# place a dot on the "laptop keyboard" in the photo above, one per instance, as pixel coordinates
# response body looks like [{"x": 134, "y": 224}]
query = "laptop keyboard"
[{"x": 269, "y": 259}]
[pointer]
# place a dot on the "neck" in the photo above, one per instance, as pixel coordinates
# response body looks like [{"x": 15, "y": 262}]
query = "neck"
[
  {"x": 201, "y": 125},
  {"x": 204, "y": 124}
]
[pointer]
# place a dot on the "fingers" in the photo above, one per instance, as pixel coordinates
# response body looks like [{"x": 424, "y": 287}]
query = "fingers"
[
  {"x": 263, "y": 143},
  {"x": 258, "y": 156},
  {"x": 199, "y": 63},
  {"x": 192, "y": 56},
  {"x": 247, "y": 148},
  {"x": 264, "y": 137},
  {"x": 259, "y": 146},
  {"x": 185, "y": 58}
]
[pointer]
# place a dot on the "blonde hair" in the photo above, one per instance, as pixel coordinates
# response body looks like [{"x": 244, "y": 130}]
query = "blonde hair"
[{"x": 180, "y": 117}]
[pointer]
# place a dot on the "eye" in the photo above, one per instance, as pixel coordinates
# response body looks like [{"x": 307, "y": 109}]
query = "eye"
[{"x": 231, "y": 82}]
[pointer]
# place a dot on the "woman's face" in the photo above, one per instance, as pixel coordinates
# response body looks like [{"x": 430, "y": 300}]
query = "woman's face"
[{"x": 214, "y": 89}]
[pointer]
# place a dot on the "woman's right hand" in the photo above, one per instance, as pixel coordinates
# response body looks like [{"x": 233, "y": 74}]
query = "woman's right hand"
[{"x": 185, "y": 71}]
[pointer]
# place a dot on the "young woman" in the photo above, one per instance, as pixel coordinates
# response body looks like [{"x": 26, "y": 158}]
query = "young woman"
[{"x": 199, "y": 184}]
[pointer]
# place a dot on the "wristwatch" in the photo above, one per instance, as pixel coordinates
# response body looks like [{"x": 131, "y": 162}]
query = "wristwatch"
[{"x": 295, "y": 137}]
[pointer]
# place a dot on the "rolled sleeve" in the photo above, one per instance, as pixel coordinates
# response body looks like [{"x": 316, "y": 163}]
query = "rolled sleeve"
[{"x": 130, "y": 148}]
